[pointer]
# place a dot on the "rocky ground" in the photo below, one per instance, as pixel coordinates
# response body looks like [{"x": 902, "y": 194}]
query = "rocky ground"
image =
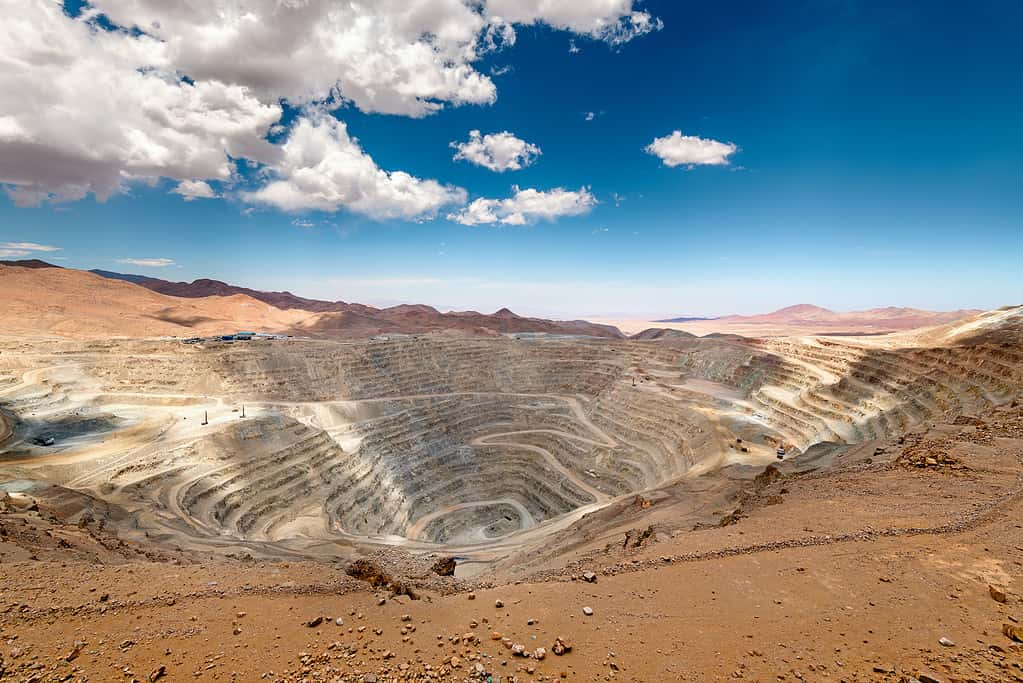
[{"x": 901, "y": 561}]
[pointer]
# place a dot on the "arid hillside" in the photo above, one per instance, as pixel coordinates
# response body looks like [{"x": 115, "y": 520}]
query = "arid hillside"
[
  {"x": 73, "y": 303},
  {"x": 47, "y": 300}
]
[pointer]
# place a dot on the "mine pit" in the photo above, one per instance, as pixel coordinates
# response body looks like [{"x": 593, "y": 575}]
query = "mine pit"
[{"x": 473, "y": 447}]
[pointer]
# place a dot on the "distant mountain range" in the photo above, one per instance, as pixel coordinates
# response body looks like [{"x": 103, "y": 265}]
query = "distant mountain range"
[
  {"x": 137, "y": 305},
  {"x": 810, "y": 319},
  {"x": 314, "y": 317},
  {"x": 890, "y": 317}
]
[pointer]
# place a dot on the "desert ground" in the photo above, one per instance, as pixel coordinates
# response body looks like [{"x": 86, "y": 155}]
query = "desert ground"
[{"x": 507, "y": 507}]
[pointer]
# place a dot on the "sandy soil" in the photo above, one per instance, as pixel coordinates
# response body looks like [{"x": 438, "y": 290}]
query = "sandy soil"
[{"x": 811, "y": 588}]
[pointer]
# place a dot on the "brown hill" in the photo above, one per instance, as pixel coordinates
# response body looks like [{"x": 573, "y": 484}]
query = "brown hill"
[
  {"x": 890, "y": 318},
  {"x": 29, "y": 263},
  {"x": 361, "y": 320},
  {"x": 75, "y": 303},
  {"x": 205, "y": 287}
]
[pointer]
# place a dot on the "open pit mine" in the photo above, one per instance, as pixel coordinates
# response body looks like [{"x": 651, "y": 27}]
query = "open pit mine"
[{"x": 486, "y": 450}]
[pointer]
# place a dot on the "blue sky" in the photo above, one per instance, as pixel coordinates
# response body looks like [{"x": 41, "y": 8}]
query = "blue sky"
[{"x": 877, "y": 163}]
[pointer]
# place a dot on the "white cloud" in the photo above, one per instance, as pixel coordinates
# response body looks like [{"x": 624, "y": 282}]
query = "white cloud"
[
  {"x": 19, "y": 250},
  {"x": 303, "y": 223},
  {"x": 690, "y": 150},
  {"x": 194, "y": 189},
  {"x": 96, "y": 109},
  {"x": 147, "y": 262},
  {"x": 573, "y": 48},
  {"x": 589, "y": 116},
  {"x": 28, "y": 246},
  {"x": 188, "y": 89},
  {"x": 323, "y": 168},
  {"x": 526, "y": 207},
  {"x": 389, "y": 56},
  {"x": 613, "y": 21},
  {"x": 496, "y": 151}
]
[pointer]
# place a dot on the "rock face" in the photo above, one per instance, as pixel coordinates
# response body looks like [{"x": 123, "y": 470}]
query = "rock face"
[
  {"x": 444, "y": 566},
  {"x": 1013, "y": 632}
]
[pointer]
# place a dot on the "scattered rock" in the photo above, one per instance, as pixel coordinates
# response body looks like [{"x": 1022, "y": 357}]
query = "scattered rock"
[
  {"x": 540, "y": 653},
  {"x": 947, "y": 642},
  {"x": 997, "y": 595},
  {"x": 561, "y": 646},
  {"x": 444, "y": 566},
  {"x": 472, "y": 596},
  {"x": 75, "y": 651},
  {"x": 588, "y": 611},
  {"x": 157, "y": 674},
  {"x": 590, "y": 577},
  {"x": 498, "y": 604},
  {"x": 313, "y": 623},
  {"x": 1013, "y": 632}
]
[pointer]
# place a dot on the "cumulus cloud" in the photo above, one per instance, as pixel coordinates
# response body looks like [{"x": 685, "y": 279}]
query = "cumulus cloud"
[
  {"x": 496, "y": 151},
  {"x": 389, "y": 56},
  {"x": 17, "y": 250},
  {"x": 690, "y": 150},
  {"x": 96, "y": 109},
  {"x": 323, "y": 168},
  {"x": 134, "y": 90},
  {"x": 525, "y": 207},
  {"x": 613, "y": 21},
  {"x": 194, "y": 189},
  {"x": 147, "y": 262}
]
